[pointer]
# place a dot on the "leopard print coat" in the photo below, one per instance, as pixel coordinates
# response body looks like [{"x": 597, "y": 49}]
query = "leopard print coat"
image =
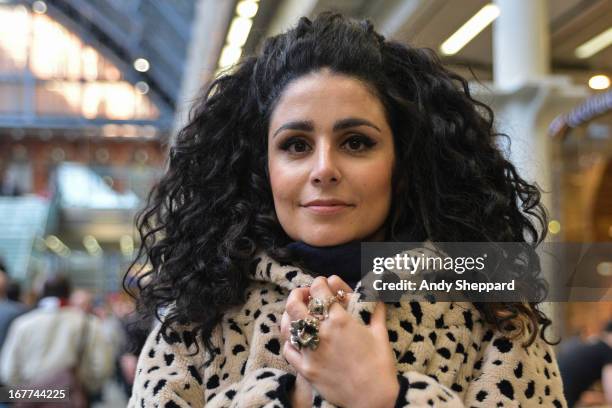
[{"x": 447, "y": 356}]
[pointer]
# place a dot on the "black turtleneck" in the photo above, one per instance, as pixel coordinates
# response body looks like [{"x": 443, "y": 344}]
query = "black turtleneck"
[{"x": 343, "y": 260}]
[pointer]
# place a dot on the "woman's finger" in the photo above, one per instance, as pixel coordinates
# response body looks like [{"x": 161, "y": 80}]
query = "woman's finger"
[
  {"x": 300, "y": 362},
  {"x": 296, "y": 303},
  {"x": 285, "y": 327},
  {"x": 292, "y": 355},
  {"x": 336, "y": 283},
  {"x": 378, "y": 322},
  {"x": 320, "y": 289}
]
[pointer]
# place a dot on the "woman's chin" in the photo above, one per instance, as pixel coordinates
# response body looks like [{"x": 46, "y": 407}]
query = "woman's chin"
[{"x": 331, "y": 239}]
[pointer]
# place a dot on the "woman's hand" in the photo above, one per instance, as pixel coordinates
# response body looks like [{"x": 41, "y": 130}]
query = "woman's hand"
[
  {"x": 354, "y": 364},
  {"x": 301, "y": 393}
]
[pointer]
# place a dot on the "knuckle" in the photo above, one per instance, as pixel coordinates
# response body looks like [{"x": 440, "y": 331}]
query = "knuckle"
[
  {"x": 308, "y": 370},
  {"x": 291, "y": 307},
  {"x": 285, "y": 332},
  {"x": 284, "y": 329},
  {"x": 339, "y": 320},
  {"x": 319, "y": 281},
  {"x": 335, "y": 282},
  {"x": 294, "y": 294}
]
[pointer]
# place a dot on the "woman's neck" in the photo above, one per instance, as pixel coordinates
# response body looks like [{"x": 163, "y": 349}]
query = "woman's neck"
[{"x": 343, "y": 260}]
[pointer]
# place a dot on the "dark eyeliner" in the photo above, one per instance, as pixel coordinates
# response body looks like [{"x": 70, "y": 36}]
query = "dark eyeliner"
[
  {"x": 367, "y": 141},
  {"x": 287, "y": 143}
]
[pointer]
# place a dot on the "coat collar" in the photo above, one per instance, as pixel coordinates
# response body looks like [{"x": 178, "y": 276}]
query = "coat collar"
[{"x": 265, "y": 269}]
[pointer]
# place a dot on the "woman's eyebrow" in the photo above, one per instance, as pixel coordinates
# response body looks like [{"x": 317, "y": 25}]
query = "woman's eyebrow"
[
  {"x": 353, "y": 122},
  {"x": 303, "y": 125},
  {"x": 308, "y": 126}
]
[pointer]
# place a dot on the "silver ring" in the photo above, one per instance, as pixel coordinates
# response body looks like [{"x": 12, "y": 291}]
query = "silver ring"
[
  {"x": 319, "y": 308},
  {"x": 305, "y": 333}
]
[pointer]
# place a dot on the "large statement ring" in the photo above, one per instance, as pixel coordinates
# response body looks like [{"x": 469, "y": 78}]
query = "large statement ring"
[
  {"x": 305, "y": 333},
  {"x": 319, "y": 308}
]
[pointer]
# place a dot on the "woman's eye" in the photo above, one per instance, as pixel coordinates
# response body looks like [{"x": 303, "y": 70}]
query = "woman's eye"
[
  {"x": 295, "y": 146},
  {"x": 355, "y": 144},
  {"x": 359, "y": 143}
]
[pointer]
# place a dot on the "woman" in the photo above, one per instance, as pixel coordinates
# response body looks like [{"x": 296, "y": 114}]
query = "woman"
[{"x": 332, "y": 136}]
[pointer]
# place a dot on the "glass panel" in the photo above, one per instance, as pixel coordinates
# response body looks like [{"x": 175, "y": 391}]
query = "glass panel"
[
  {"x": 14, "y": 38},
  {"x": 74, "y": 79},
  {"x": 58, "y": 98},
  {"x": 11, "y": 98}
]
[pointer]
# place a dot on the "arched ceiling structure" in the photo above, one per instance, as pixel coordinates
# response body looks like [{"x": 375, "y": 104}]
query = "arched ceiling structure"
[{"x": 125, "y": 30}]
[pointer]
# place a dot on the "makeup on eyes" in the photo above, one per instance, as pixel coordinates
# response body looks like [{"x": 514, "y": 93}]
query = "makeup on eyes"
[{"x": 364, "y": 141}]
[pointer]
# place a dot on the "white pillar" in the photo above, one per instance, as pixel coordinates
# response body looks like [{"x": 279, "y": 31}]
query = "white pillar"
[
  {"x": 521, "y": 43},
  {"x": 526, "y": 98},
  {"x": 520, "y": 66}
]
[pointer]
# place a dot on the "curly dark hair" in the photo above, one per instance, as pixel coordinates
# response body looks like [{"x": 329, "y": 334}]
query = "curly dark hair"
[{"x": 213, "y": 208}]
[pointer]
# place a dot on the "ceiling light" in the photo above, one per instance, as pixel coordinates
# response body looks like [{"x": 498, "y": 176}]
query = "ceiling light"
[
  {"x": 470, "y": 29},
  {"x": 604, "y": 268},
  {"x": 39, "y": 7},
  {"x": 91, "y": 245},
  {"x": 57, "y": 246},
  {"x": 229, "y": 56},
  {"x": 141, "y": 65},
  {"x": 554, "y": 227},
  {"x": 247, "y": 9},
  {"x": 142, "y": 87},
  {"x": 239, "y": 31},
  {"x": 595, "y": 44},
  {"x": 599, "y": 82},
  {"x": 126, "y": 243},
  {"x": 53, "y": 242}
]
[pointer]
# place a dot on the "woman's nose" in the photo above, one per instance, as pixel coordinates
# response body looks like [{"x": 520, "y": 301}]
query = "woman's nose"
[{"x": 325, "y": 168}]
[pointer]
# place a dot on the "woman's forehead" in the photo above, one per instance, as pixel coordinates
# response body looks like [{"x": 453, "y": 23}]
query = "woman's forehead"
[{"x": 325, "y": 95}]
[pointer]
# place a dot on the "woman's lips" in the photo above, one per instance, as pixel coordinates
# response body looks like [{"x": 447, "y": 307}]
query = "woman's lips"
[{"x": 327, "y": 209}]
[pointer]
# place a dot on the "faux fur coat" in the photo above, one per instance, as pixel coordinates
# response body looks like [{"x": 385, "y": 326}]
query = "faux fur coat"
[{"x": 447, "y": 356}]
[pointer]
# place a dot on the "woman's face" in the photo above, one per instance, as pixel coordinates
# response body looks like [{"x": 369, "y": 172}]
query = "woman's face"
[{"x": 330, "y": 157}]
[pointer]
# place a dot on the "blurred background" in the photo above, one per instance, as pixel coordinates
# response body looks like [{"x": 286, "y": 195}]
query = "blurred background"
[{"x": 92, "y": 92}]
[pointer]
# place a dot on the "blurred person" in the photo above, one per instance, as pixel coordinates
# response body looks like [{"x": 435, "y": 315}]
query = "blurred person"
[
  {"x": 82, "y": 299},
  {"x": 112, "y": 329},
  {"x": 114, "y": 332},
  {"x": 9, "y": 308},
  {"x": 583, "y": 363},
  {"x": 13, "y": 291},
  {"x": 329, "y": 137},
  {"x": 136, "y": 327},
  {"x": 18, "y": 178},
  {"x": 47, "y": 339}
]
